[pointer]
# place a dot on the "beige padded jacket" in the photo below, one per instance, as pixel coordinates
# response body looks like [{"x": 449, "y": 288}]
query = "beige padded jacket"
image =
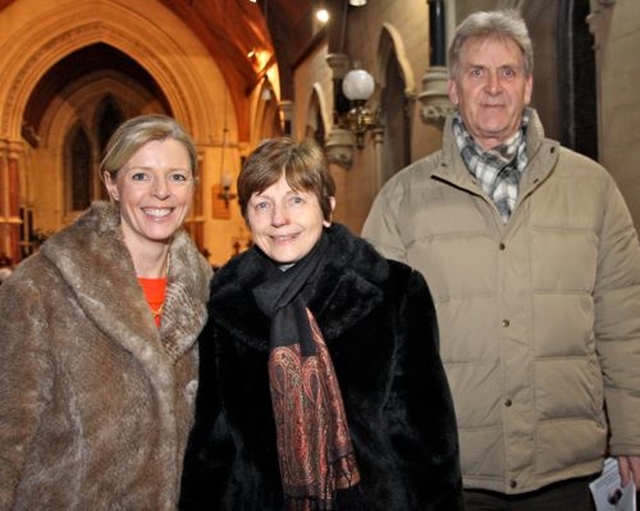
[{"x": 539, "y": 318}]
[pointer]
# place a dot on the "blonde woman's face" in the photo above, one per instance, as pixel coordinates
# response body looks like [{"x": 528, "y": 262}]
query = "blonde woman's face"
[{"x": 154, "y": 190}]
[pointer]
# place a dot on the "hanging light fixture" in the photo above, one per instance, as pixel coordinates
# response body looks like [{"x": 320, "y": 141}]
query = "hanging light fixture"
[
  {"x": 357, "y": 3},
  {"x": 225, "y": 177}
]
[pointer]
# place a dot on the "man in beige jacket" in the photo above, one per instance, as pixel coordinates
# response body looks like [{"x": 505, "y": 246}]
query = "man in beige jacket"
[{"x": 534, "y": 264}]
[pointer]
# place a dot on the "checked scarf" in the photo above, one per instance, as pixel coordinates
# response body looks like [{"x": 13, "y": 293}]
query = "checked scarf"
[{"x": 498, "y": 170}]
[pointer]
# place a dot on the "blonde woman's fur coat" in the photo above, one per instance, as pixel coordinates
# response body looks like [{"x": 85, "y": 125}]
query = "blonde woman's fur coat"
[{"x": 95, "y": 402}]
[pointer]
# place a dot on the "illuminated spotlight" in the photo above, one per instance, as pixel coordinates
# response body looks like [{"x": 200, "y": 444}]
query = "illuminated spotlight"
[{"x": 323, "y": 15}]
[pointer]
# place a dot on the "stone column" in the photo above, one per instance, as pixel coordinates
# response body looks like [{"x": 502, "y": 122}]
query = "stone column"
[
  {"x": 599, "y": 21},
  {"x": 4, "y": 200},
  {"x": 286, "y": 115},
  {"x": 434, "y": 98},
  {"x": 339, "y": 141},
  {"x": 12, "y": 208},
  {"x": 378, "y": 141}
]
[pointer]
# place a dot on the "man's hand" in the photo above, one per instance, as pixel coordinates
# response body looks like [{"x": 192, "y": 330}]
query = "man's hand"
[{"x": 629, "y": 467}]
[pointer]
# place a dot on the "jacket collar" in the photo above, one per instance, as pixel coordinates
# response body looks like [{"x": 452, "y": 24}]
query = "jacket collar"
[
  {"x": 94, "y": 262},
  {"x": 542, "y": 154},
  {"x": 348, "y": 287}
]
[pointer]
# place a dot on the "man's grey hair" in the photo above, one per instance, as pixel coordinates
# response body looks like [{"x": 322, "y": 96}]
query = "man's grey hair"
[{"x": 502, "y": 24}]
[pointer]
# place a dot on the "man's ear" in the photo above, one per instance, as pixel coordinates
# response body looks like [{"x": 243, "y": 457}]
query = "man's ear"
[{"x": 452, "y": 90}]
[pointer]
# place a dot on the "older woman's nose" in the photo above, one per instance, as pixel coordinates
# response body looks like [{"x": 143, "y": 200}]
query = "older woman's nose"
[{"x": 280, "y": 216}]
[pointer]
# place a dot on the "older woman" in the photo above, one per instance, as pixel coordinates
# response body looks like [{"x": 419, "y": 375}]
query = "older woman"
[
  {"x": 97, "y": 334},
  {"x": 321, "y": 386}
]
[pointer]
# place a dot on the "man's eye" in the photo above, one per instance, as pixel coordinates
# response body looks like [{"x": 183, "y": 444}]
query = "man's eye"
[
  {"x": 476, "y": 72},
  {"x": 508, "y": 72}
]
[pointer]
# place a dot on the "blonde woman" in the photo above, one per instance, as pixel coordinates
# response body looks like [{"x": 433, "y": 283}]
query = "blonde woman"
[{"x": 97, "y": 333}]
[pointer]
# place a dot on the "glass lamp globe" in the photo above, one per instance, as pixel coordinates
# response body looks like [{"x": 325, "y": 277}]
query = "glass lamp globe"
[{"x": 358, "y": 85}]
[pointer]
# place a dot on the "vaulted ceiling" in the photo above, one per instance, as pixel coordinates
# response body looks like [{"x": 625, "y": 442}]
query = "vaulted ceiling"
[{"x": 232, "y": 29}]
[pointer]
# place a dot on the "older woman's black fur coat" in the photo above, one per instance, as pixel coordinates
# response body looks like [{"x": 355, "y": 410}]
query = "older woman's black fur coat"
[{"x": 378, "y": 320}]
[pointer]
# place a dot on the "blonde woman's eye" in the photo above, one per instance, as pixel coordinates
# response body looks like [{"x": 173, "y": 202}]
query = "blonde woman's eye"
[
  {"x": 140, "y": 176},
  {"x": 180, "y": 177}
]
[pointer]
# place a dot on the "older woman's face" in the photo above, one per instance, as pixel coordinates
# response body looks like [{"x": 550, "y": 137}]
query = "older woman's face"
[
  {"x": 285, "y": 223},
  {"x": 154, "y": 189}
]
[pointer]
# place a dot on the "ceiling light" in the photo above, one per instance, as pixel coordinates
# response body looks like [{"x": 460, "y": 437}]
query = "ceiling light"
[
  {"x": 357, "y": 3},
  {"x": 323, "y": 15}
]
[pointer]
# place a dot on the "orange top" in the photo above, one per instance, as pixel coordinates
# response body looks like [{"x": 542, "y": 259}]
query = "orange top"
[{"x": 154, "y": 291}]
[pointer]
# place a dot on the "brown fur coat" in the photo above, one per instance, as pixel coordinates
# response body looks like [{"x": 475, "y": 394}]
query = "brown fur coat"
[{"x": 95, "y": 402}]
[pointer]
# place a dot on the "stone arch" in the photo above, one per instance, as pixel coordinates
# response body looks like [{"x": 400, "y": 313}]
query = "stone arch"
[
  {"x": 390, "y": 44},
  {"x": 137, "y": 33},
  {"x": 396, "y": 93},
  {"x": 317, "y": 113}
]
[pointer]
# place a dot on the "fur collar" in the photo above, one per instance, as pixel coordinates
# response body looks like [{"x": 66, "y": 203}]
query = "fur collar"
[
  {"x": 349, "y": 286},
  {"x": 94, "y": 262}
]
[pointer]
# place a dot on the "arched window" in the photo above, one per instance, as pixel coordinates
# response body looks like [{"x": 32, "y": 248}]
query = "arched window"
[
  {"x": 395, "y": 119},
  {"x": 84, "y": 148},
  {"x": 109, "y": 116},
  {"x": 79, "y": 169}
]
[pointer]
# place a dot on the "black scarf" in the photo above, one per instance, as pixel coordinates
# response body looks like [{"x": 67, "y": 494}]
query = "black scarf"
[{"x": 314, "y": 446}]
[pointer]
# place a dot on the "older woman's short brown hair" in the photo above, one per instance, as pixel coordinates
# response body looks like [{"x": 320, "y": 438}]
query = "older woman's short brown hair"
[{"x": 303, "y": 164}]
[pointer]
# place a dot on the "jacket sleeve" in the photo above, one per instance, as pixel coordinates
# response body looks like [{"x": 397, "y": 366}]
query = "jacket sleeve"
[
  {"x": 617, "y": 322},
  {"x": 25, "y": 385},
  {"x": 424, "y": 431},
  {"x": 381, "y": 226},
  {"x": 210, "y": 448}
]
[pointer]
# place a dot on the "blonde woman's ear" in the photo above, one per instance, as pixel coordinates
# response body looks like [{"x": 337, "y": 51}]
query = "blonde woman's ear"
[{"x": 112, "y": 189}]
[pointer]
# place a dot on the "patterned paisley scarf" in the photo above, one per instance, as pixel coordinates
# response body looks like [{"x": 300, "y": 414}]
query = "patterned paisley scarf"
[{"x": 314, "y": 447}]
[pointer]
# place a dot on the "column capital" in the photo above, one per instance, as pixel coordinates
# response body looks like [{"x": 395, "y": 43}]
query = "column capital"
[{"x": 339, "y": 64}]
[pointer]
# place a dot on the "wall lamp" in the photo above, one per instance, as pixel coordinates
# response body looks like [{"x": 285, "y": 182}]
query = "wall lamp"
[
  {"x": 358, "y": 86},
  {"x": 225, "y": 178}
]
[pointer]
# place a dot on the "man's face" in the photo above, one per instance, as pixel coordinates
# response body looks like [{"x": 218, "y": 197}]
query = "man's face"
[{"x": 491, "y": 89}]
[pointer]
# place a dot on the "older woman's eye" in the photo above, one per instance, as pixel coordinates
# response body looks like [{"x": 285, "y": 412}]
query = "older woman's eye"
[
  {"x": 297, "y": 199},
  {"x": 180, "y": 177}
]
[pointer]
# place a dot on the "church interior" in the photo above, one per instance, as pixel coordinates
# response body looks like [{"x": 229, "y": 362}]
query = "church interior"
[{"x": 235, "y": 72}]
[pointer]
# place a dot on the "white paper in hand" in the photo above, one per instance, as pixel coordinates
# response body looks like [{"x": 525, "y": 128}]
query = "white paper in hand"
[{"x": 609, "y": 494}]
